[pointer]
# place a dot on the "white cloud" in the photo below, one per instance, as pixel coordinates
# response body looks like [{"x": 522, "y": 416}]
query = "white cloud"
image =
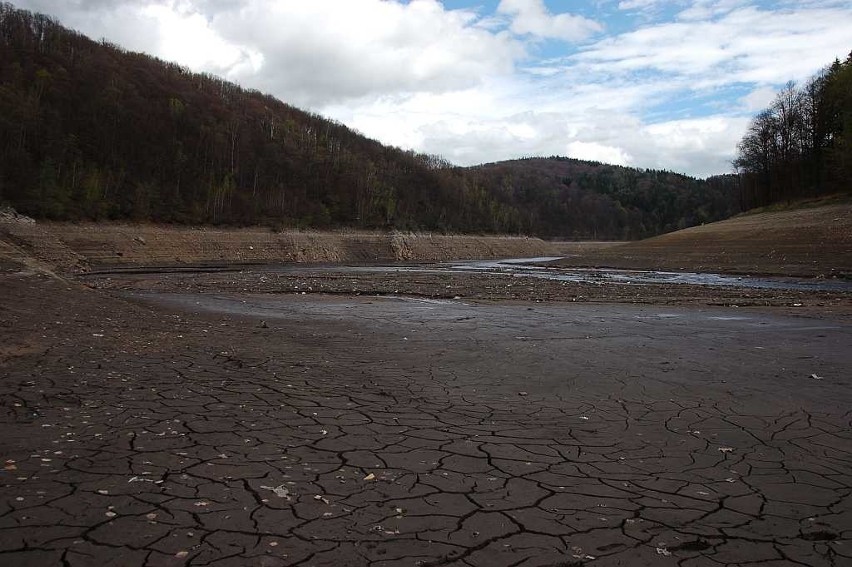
[
  {"x": 758, "y": 99},
  {"x": 639, "y": 4},
  {"x": 745, "y": 45},
  {"x": 708, "y": 9},
  {"x": 479, "y": 126},
  {"x": 532, "y": 17},
  {"x": 189, "y": 39},
  {"x": 324, "y": 51},
  {"x": 702, "y": 146},
  {"x": 593, "y": 151}
]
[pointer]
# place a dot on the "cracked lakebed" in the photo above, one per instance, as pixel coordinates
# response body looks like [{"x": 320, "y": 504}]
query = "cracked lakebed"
[{"x": 155, "y": 425}]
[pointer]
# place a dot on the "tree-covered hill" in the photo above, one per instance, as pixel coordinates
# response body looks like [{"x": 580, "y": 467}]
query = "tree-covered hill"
[
  {"x": 91, "y": 131},
  {"x": 801, "y": 146},
  {"x": 579, "y": 199}
]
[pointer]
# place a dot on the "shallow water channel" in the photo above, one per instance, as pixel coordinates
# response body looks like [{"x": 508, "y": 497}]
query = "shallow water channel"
[
  {"x": 518, "y": 267},
  {"x": 533, "y": 268}
]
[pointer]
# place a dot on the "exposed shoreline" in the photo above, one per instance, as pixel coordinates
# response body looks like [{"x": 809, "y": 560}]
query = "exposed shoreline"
[
  {"x": 803, "y": 242},
  {"x": 71, "y": 247},
  {"x": 292, "y": 409}
]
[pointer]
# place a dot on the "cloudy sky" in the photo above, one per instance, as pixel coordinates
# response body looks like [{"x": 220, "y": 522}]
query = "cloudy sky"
[{"x": 667, "y": 84}]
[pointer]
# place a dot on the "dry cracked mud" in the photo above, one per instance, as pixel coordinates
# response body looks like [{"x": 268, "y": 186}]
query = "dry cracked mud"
[{"x": 232, "y": 428}]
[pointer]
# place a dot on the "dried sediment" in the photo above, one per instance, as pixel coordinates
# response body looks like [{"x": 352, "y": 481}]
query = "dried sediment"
[
  {"x": 276, "y": 429},
  {"x": 809, "y": 242},
  {"x": 79, "y": 246}
]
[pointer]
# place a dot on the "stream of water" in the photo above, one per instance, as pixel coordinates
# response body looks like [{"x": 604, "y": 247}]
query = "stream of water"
[
  {"x": 528, "y": 268},
  {"x": 534, "y": 268}
]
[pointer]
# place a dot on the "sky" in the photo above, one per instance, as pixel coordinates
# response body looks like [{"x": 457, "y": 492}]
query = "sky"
[{"x": 661, "y": 84}]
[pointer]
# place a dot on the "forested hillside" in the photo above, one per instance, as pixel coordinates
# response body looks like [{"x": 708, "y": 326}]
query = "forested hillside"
[
  {"x": 801, "y": 146},
  {"x": 91, "y": 131},
  {"x": 595, "y": 200}
]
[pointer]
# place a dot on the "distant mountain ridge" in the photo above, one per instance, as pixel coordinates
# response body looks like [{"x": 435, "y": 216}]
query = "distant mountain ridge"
[
  {"x": 91, "y": 131},
  {"x": 606, "y": 201}
]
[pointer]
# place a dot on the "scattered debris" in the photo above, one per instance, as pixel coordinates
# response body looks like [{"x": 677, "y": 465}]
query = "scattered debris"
[
  {"x": 578, "y": 553},
  {"x": 280, "y": 491},
  {"x": 139, "y": 479},
  {"x": 370, "y": 476},
  {"x": 815, "y": 377},
  {"x": 663, "y": 551},
  {"x": 10, "y": 215},
  {"x": 726, "y": 449}
]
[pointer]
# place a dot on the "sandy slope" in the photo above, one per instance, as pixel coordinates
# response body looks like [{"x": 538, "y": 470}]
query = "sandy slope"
[
  {"x": 803, "y": 242},
  {"x": 814, "y": 241},
  {"x": 74, "y": 247}
]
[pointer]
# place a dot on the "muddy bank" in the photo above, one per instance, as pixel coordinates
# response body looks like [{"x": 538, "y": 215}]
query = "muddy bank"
[{"x": 74, "y": 247}]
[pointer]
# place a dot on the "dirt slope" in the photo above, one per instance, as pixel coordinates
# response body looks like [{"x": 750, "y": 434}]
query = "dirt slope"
[
  {"x": 803, "y": 242},
  {"x": 75, "y": 247}
]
